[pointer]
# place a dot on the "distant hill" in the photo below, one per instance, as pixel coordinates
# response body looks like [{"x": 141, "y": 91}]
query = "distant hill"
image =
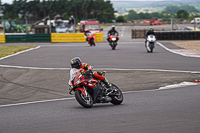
[{"x": 153, "y": 5}]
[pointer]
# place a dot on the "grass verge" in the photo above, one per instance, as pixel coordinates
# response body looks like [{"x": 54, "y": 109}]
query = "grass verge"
[
  {"x": 103, "y": 26},
  {"x": 8, "y": 50}
]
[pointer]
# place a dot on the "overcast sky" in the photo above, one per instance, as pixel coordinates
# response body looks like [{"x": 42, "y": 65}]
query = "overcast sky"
[{"x": 10, "y": 1}]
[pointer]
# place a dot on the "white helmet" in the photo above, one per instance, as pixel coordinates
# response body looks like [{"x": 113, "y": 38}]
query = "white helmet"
[{"x": 112, "y": 27}]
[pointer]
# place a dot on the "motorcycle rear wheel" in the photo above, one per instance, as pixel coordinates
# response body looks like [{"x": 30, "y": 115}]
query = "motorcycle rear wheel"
[
  {"x": 92, "y": 42},
  {"x": 118, "y": 98},
  {"x": 86, "y": 102}
]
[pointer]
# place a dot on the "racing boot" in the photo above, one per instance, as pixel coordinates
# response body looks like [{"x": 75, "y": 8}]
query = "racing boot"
[{"x": 108, "y": 85}]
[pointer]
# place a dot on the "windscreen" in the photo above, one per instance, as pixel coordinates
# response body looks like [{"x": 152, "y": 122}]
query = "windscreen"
[
  {"x": 73, "y": 72},
  {"x": 92, "y": 27},
  {"x": 60, "y": 25}
]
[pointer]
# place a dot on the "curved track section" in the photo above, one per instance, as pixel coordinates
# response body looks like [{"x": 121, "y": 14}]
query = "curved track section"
[{"x": 172, "y": 110}]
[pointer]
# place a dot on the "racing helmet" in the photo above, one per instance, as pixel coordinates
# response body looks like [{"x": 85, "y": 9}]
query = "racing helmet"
[
  {"x": 113, "y": 27},
  {"x": 76, "y": 62},
  {"x": 151, "y": 30}
]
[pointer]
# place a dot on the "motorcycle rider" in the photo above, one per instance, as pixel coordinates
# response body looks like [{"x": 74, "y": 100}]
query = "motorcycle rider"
[
  {"x": 112, "y": 31},
  {"x": 149, "y": 32},
  {"x": 76, "y": 63},
  {"x": 86, "y": 32}
]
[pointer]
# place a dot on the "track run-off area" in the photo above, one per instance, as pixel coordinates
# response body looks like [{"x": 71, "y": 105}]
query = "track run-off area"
[{"x": 34, "y": 92}]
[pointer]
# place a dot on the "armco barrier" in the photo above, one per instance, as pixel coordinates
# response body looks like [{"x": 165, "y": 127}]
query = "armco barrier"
[
  {"x": 178, "y": 35},
  {"x": 28, "y": 38},
  {"x": 2, "y": 38},
  {"x": 67, "y": 37}
]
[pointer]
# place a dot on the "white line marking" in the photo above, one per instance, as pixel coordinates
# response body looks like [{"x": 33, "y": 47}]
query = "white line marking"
[
  {"x": 183, "y": 84},
  {"x": 177, "y": 52},
  {"x": 161, "y": 88},
  {"x": 19, "y": 53},
  {"x": 25, "y": 103},
  {"x": 122, "y": 32},
  {"x": 116, "y": 69}
]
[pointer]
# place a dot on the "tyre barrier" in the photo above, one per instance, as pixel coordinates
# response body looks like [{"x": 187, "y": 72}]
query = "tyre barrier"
[{"x": 178, "y": 35}]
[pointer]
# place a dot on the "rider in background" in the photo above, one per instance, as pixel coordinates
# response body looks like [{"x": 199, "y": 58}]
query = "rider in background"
[
  {"x": 112, "y": 31},
  {"x": 76, "y": 63},
  {"x": 149, "y": 32},
  {"x": 86, "y": 32}
]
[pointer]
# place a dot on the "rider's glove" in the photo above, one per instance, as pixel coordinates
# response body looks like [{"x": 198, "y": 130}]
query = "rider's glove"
[{"x": 89, "y": 71}]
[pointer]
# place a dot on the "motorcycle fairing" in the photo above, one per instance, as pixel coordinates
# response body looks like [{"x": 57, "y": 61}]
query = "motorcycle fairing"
[
  {"x": 82, "y": 89},
  {"x": 81, "y": 80},
  {"x": 97, "y": 92},
  {"x": 151, "y": 45}
]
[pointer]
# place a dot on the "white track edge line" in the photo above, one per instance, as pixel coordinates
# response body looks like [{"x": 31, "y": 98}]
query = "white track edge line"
[
  {"x": 126, "y": 92},
  {"x": 177, "y": 52},
  {"x": 19, "y": 52},
  {"x": 116, "y": 69}
]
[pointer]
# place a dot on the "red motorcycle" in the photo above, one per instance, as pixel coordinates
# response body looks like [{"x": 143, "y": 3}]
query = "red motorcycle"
[
  {"x": 113, "y": 39},
  {"x": 89, "y": 90},
  {"x": 91, "y": 39}
]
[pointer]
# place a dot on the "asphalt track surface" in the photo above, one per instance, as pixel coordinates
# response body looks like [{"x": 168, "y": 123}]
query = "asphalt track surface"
[
  {"x": 172, "y": 110},
  {"x": 166, "y": 111},
  {"x": 128, "y": 55}
]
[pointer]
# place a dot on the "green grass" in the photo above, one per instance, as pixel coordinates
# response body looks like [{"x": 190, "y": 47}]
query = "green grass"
[
  {"x": 8, "y": 50},
  {"x": 103, "y": 26}
]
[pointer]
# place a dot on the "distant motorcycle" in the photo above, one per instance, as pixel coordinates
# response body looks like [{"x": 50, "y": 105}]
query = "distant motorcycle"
[
  {"x": 89, "y": 90},
  {"x": 113, "y": 39},
  {"x": 151, "y": 40},
  {"x": 90, "y": 39}
]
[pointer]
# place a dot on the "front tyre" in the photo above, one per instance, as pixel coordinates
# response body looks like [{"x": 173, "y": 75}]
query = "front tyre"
[
  {"x": 118, "y": 97},
  {"x": 85, "y": 101},
  {"x": 113, "y": 46},
  {"x": 151, "y": 50}
]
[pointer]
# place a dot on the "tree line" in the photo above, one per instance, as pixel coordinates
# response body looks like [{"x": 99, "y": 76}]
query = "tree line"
[
  {"x": 179, "y": 12},
  {"x": 80, "y": 9}
]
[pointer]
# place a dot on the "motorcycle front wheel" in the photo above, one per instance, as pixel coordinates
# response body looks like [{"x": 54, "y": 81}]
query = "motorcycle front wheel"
[
  {"x": 118, "y": 97},
  {"x": 151, "y": 50},
  {"x": 114, "y": 45},
  {"x": 85, "y": 101}
]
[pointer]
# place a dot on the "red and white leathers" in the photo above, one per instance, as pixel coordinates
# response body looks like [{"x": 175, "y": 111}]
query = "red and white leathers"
[{"x": 96, "y": 75}]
